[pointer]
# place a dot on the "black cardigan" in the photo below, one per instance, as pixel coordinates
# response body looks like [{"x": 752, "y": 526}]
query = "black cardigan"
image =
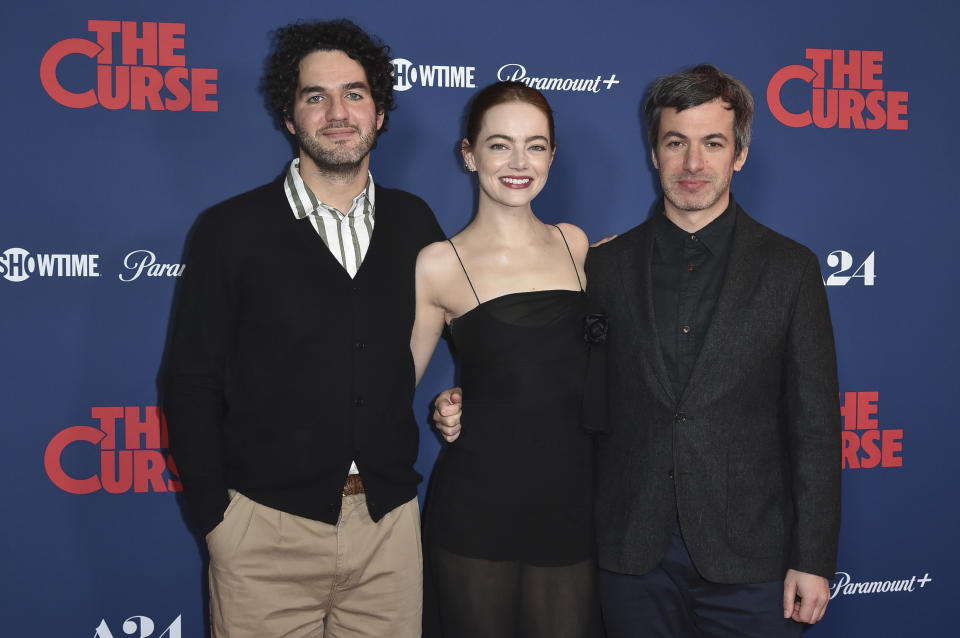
[{"x": 282, "y": 369}]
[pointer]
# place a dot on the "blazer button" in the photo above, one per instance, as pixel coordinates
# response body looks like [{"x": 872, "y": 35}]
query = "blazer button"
[
  {"x": 670, "y": 475},
  {"x": 679, "y": 417}
]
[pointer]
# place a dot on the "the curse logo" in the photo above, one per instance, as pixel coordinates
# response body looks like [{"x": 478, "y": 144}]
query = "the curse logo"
[
  {"x": 839, "y": 89},
  {"x": 146, "y": 71},
  {"x": 865, "y": 444},
  {"x": 83, "y": 459}
]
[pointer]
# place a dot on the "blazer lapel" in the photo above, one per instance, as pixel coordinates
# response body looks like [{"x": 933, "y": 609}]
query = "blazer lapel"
[
  {"x": 635, "y": 274},
  {"x": 744, "y": 267}
]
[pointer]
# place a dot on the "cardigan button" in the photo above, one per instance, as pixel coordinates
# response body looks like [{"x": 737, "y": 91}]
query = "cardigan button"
[
  {"x": 360, "y": 345},
  {"x": 679, "y": 417},
  {"x": 670, "y": 474},
  {"x": 358, "y": 402}
]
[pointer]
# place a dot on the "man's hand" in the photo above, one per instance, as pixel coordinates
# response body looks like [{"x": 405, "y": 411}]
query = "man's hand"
[
  {"x": 603, "y": 241},
  {"x": 446, "y": 413},
  {"x": 813, "y": 592}
]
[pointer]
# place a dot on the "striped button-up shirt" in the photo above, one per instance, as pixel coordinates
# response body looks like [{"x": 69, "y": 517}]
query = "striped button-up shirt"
[{"x": 346, "y": 235}]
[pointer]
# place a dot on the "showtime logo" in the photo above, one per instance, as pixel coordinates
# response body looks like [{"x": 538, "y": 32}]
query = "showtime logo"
[
  {"x": 845, "y": 91},
  {"x": 135, "y": 460},
  {"x": 865, "y": 445},
  {"x": 518, "y": 73},
  {"x": 135, "y": 80},
  {"x": 406, "y": 75},
  {"x": 844, "y": 585},
  {"x": 17, "y": 264}
]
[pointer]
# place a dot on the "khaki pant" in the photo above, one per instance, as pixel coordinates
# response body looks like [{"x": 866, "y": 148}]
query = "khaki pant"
[{"x": 276, "y": 575}]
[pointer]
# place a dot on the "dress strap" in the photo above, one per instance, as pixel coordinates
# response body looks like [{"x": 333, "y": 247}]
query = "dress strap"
[
  {"x": 575, "y": 269},
  {"x": 465, "y": 270}
]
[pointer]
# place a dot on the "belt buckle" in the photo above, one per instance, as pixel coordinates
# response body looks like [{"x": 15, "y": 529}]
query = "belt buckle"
[{"x": 353, "y": 485}]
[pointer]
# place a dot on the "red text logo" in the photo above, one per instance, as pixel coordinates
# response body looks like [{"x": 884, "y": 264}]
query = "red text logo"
[
  {"x": 865, "y": 444},
  {"x": 138, "y": 66},
  {"x": 845, "y": 89},
  {"x": 132, "y": 460}
]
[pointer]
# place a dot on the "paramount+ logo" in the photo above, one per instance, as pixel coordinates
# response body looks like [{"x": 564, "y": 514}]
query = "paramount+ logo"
[
  {"x": 838, "y": 89},
  {"x": 139, "y": 66},
  {"x": 83, "y": 459}
]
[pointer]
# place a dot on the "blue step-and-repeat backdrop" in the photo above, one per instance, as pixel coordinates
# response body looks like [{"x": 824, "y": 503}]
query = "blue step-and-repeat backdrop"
[{"x": 122, "y": 121}]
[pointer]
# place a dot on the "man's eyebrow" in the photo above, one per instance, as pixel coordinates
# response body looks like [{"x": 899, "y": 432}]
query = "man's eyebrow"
[
  {"x": 316, "y": 88},
  {"x": 710, "y": 136}
]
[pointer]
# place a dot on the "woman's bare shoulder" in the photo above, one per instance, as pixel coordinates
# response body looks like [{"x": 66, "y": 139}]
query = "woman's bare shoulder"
[{"x": 576, "y": 238}]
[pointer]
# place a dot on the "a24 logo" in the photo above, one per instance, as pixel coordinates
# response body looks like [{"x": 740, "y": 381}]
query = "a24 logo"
[
  {"x": 843, "y": 263},
  {"x": 141, "y": 627}
]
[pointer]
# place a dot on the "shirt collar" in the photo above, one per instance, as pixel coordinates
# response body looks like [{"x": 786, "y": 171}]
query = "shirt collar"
[
  {"x": 303, "y": 202},
  {"x": 715, "y": 236}
]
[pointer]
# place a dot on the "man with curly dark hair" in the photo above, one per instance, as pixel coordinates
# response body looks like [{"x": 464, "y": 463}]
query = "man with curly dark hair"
[{"x": 289, "y": 381}]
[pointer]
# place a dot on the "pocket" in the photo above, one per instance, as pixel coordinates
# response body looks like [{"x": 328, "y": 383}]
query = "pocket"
[
  {"x": 756, "y": 524},
  {"x": 414, "y": 507},
  {"x": 231, "y": 505}
]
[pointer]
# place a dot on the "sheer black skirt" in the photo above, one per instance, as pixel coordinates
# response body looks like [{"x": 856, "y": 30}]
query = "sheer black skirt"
[{"x": 477, "y": 598}]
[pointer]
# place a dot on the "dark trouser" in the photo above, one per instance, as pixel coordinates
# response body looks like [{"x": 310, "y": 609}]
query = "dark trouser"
[{"x": 674, "y": 601}]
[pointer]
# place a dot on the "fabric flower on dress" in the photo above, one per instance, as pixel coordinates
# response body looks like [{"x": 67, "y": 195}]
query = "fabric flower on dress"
[{"x": 595, "y": 328}]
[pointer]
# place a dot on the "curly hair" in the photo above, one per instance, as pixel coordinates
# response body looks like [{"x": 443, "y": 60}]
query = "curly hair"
[
  {"x": 296, "y": 41},
  {"x": 699, "y": 85}
]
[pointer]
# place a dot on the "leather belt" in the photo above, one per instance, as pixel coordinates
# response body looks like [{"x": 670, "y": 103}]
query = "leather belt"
[{"x": 354, "y": 485}]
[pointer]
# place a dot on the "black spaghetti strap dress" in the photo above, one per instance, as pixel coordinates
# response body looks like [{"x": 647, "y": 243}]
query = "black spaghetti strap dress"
[{"x": 508, "y": 529}]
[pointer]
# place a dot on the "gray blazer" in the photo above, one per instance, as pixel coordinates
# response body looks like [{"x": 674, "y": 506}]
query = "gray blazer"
[{"x": 748, "y": 457}]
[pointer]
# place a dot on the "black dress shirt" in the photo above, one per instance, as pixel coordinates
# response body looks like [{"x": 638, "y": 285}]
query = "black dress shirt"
[{"x": 687, "y": 271}]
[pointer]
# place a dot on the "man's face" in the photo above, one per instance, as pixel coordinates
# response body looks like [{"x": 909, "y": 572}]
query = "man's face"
[
  {"x": 334, "y": 117},
  {"x": 696, "y": 160}
]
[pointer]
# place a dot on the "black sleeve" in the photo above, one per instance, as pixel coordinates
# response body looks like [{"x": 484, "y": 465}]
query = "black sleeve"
[
  {"x": 813, "y": 427},
  {"x": 203, "y": 327}
]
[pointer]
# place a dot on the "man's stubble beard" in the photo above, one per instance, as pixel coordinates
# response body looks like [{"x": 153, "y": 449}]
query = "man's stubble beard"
[
  {"x": 336, "y": 161},
  {"x": 674, "y": 195}
]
